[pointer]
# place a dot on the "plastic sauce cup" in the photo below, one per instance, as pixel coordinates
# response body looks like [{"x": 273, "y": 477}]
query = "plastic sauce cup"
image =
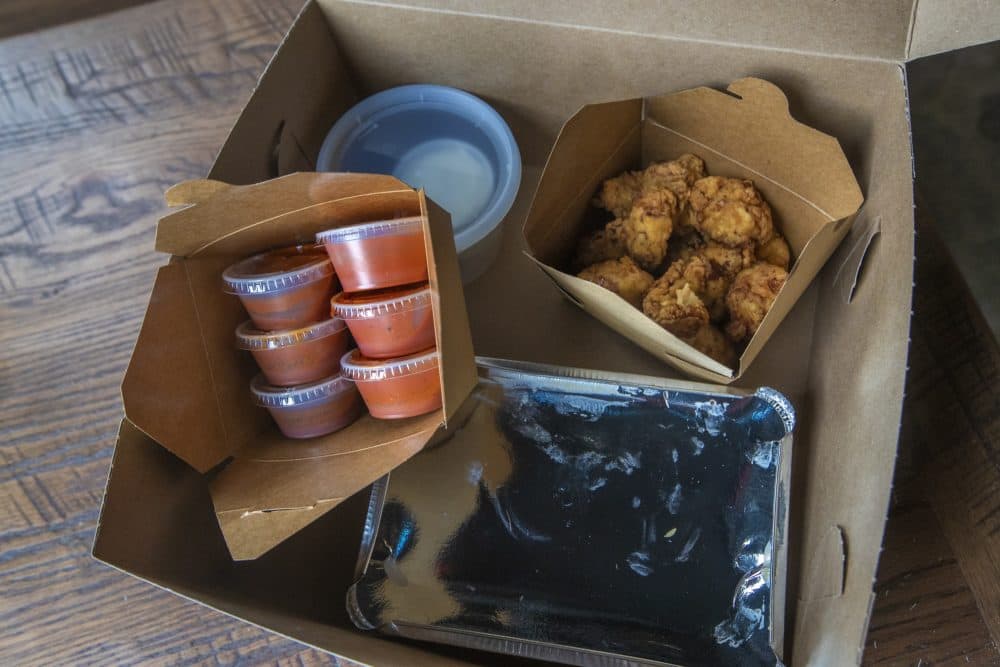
[
  {"x": 396, "y": 388},
  {"x": 388, "y": 323},
  {"x": 377, "y": 254},
  {"x": 285, "y": 288},
  {"x": 296, "y": 356},
  {"x": 310, "y": 410}
]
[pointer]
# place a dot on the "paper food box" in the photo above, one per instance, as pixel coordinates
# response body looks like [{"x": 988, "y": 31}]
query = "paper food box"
[
  {"x": 187, "y": 386},
  {"x": 839, "y": 354},
  {"x": 744, "y": 133}
]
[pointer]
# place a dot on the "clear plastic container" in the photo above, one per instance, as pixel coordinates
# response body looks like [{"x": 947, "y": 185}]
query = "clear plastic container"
[
  {"x": 396, "y": 388},
  {"x": 296, "y": 356},
  {"x": 310, "y": 410},
  {"x": 388, "y": 323},
  {"x": 284, "y": 288},
  {"x": 446, "y": 141},
  {"x": 376, "y": 255}
]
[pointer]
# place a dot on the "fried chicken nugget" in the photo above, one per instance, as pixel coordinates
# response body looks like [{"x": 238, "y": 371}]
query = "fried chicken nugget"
[
  {"x": 604, "y": 244},
  {"x": 617, "y": 194},
  {"x": 675, "y": 175},
  {"x": 684, "y": 242},
  {"x": 622, "y": 276},
  {"x": 648, "y": 226},
  {"x": 673, "y": 303},
  {"x": 751, "y": 296},
  {"x": 710, "y": 340},
  {"x": 723, "y": 265},
  {"x": 776, "y": 252},
  {"x": 729, "y": 211}
]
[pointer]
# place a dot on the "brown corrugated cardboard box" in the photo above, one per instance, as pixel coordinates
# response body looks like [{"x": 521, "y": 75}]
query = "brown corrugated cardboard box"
[{"x": 840, "y": 354}]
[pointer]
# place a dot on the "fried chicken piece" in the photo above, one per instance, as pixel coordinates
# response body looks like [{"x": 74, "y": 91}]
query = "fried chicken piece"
[
  {"x": 673, "y": 303},
  {"x": 751, "y": 296},
  {"x": 621, "y": 276},
  {"x": 648, "y": 226},
  {"x": 776, "y": 252},
  {"x": 684, "y": 242},
  {"x": 675, "y": 175},
  {"x": 604, "y": 244},
  {"x": 729, "y": 211},
  {"x": 617, "y": 194},
  {"x": 710, "y": 340},
  {"x": 723, "y": 265},
  {"x": 710, "y": 271}
]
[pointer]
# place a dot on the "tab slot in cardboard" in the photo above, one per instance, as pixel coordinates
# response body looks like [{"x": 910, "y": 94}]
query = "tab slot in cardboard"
[
  {"x": 849, "y": 275},
  {"x": 188, "y": 386},
  {"x": 746, "y": 132}
]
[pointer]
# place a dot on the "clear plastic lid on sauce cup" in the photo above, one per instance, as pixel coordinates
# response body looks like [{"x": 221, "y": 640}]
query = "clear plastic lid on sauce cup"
[
  {"x": 310, "y": 410},
  {"x": 296, "y": 356},
  {"x": 379, "y": 254},
  {"x": 396, "y": 388},
  {"x": 388, "y": 323},
  {"x": 283, "y": 288}
]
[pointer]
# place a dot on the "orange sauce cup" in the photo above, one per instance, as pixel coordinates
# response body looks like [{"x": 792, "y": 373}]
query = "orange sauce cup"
[
  {"x": 396, "y": 388},
  {"x": 296, "y": 356},
  {"x": 310, "y": 410},
  {"x": 377, "y": 254},
  {"x": 388, "y": 323},
  {"x": 285, "y": 288}
]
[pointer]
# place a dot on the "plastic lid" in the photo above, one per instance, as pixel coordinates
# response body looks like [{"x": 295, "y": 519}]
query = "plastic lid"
[
  {"x": 362, "y": 369},
  {"x": 369, "y": 230},
  {"x": 367, "y": 305},
  {"x": 420, "y": 133},
  {"x": 278, "y": 270},
  {"x": 270, "y": 396},
  {"x": 250, "y": 338}
]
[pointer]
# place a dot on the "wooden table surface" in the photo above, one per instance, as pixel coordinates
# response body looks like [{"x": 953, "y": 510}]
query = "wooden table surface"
[{"x": 96, "y": 120}]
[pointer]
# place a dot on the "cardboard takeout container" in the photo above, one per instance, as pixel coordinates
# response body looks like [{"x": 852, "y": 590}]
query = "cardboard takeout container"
[
  {"x": 745, "y": 132},
  {"x": 187, "y": 385},
  {"x": 839, "y": 354}
]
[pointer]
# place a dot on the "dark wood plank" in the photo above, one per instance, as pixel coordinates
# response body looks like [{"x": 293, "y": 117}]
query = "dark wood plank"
[
  {"x": 20, "y": 16},
  {"x": 95, "y": 121}
]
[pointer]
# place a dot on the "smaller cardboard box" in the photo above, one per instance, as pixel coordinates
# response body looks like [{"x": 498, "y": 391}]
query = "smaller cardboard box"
[
  {"x": 187, "y": 386},
  {"x": 746, "y": 133}
]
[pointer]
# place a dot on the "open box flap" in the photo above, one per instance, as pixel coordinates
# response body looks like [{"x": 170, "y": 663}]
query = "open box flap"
[
  {"x": 846, "y": 27},
  {"x": 276, "y": 487},
  {"x": 753, "y": 122},
  {"x": 886, "y": 29},
  {"x": 945, "y": 25},
  {"x": 219, "y": 209},
  {"x": 168, "y": 392}
]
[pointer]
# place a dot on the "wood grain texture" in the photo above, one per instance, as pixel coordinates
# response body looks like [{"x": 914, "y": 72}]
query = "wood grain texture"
[
  {"x": 21, "y": 16},
  {"x": 96, "y": 121}
]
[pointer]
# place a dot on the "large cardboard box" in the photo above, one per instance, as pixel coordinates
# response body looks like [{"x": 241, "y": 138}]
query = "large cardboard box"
[{"x": 840, "y": 354}]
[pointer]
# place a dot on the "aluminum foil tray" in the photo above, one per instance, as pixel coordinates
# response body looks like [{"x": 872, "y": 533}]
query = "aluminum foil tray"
[{"x": 589, "y": 519}]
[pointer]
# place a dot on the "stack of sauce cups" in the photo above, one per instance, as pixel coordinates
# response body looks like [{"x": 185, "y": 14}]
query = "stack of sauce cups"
[
  {"x": 386, "y": 304},
  {"x": 293, "y": 339}
]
